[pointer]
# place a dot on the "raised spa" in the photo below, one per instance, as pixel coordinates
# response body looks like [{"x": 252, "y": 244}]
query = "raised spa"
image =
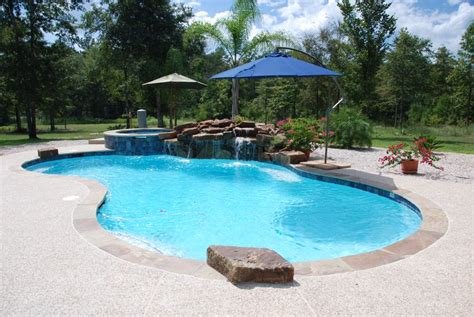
[
  {"x": 180, "y": 206},
  {"x": 135, "y": 141}
]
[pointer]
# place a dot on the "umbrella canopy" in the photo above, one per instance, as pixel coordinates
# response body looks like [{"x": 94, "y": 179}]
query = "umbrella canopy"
[
  {"x": 176, "y": 81},
  {"x": 276, "y": 65},
  {"x": 173, "y": 82}
]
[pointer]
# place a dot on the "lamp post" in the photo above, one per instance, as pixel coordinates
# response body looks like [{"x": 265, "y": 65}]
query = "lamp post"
[{"x": 328, "y": 108}]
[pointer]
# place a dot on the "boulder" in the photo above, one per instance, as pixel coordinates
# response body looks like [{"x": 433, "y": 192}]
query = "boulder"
[
  {"x": 246, "y": 124},
  {"x": 240, "y": 264},
  {"x": 264, "y": 156},
  {"x": 180, "y": 128},
  {"x": 227, "y": 135},
  {"x": 48, "y": 152},
  {"x": 245, "y": 132},
  {"x": 213, "y": 130},
  {"x": 168, "y": 135},
  {"x": 206, "y": 123},
  {"x": 222, "y": 123},
  {"x": 184, "y": 138},
  {"x": 190, "y": 131},
  {"x": 208, "y": 137},
  {"x": 271, "y": 143},
  {"x": 223, "y": 154},
  {"x": 288, "y": 157}
]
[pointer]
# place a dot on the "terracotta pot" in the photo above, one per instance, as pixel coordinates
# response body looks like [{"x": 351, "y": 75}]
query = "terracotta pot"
[
  {"x": 410, "y": 166},
  {"x": 307, "y": 154}
]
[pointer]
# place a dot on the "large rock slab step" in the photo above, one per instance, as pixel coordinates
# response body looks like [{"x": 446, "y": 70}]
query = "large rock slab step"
[
  {"x": 48, "y": 152},
  {"x": 259, "y": 265},
  {"x": 330, "y": 165},
  {"x": 288, "y": 157}
]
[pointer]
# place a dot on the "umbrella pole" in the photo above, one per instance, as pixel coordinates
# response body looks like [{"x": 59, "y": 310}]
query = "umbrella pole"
[
  {"x": 171, "y": 107},
  {"x": 326, "y": 141},
  {"x": 174, "y": 105}
]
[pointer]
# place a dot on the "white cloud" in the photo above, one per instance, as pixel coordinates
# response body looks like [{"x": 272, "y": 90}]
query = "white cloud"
[
  {"x": 193, "y": 3},
  {"x": 454, "y": 2},
  {"x": 439, "y": 27},
  {"x": 299, "y": 16},
  {"x": 271, "y": 3},
  {"x": 203, "y": 16},
  {"x": 296, "y": 17}
]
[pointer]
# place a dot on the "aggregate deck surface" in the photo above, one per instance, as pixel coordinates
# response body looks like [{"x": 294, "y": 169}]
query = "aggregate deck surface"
[{"x": 47, "y": 267}]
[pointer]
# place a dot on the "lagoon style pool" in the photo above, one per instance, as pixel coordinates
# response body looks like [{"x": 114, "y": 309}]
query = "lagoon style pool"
[{"x": 181, "y": 206}]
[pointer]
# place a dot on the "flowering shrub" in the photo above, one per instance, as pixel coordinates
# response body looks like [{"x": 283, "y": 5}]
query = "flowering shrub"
[
  {"x": 422, "y": 148},
  {"x": 302, "y": 134}
]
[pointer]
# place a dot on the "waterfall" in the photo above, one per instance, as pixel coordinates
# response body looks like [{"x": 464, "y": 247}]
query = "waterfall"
[
  {"x": 190, "y": 149},
  {"x": 244, "y": 149}
]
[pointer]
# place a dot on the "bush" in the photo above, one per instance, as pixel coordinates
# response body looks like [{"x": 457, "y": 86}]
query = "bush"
[
  {"x": 302, "y": 134},
  {"x": 351, "y": 128}
]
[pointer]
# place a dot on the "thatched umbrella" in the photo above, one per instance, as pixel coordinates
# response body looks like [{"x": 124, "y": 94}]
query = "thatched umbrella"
[{"x": 173, "y": 82}]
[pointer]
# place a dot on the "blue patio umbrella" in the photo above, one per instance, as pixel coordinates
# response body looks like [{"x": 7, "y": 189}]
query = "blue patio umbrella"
[{"x": 275, "y": 65}]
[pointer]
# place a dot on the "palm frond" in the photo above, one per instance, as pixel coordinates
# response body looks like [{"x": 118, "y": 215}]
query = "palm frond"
[
  {"x": 264, "y": 42},
  {"x": 249, "y": 6},
  {"x": 209, "y": 31}
]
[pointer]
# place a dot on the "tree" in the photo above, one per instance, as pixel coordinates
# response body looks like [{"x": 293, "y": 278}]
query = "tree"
[
  {"x": 407, "y": 72},
  {"x": 442, "y": 67},
  {"x": 232, "y": 34},
  {"x": 29, "y": 21},
  {"x": 137, "y": 34},
  {"x": 461, "y": 79},
  {"x": 368, "y": 27}
]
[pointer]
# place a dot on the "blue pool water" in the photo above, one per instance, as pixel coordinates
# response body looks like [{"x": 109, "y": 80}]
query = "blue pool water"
[{"x": 181, "y": 206}]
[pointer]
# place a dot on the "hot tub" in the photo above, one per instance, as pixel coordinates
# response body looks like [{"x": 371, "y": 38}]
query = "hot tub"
[{"x": 136, "y": 141}]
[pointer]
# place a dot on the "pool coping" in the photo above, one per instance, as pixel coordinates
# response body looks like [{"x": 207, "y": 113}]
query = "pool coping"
[{"x": 84, "y": 219}]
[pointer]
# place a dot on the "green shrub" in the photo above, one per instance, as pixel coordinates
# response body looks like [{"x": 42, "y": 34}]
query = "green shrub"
[{"x": 351, "y": 128}]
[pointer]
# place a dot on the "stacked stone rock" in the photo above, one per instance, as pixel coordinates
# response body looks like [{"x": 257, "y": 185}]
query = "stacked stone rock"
[
  {"x": 217, "y": 139},
  {"x": 213, "y": 138}
]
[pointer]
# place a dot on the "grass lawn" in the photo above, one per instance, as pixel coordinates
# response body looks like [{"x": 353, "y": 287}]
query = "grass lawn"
[
  {"x": 454, "y": 139},
  {"x": 74, "y": 131}
]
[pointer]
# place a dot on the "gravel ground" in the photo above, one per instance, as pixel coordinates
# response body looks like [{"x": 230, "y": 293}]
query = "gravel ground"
[{"x": 458, "y": 168}]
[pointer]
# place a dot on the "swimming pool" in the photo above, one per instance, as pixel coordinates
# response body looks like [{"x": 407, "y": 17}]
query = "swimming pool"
[{"x": 180, "y": 207}]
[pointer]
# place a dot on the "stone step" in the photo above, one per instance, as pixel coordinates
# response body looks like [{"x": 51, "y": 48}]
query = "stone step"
[{"x": 259, "y": 265}]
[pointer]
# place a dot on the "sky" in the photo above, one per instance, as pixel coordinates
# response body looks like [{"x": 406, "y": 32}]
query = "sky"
[{"x": 441, "y": 21}]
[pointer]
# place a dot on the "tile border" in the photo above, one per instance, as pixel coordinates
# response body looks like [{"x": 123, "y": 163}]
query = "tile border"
[{"x": 434, "y": 226}]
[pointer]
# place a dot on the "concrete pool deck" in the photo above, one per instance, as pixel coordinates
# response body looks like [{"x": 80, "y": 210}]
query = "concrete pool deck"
[{"x": 48, "y": 268}]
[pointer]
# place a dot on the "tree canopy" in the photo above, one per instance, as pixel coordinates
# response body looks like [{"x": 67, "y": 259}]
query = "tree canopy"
[{"x": 57, "y": 67}]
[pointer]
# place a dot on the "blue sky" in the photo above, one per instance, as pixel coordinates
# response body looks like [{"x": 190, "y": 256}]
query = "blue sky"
[{"x": 441, "y": 21}]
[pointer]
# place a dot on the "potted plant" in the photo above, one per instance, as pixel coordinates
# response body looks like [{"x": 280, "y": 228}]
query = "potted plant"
[
  {"x": 301, "y": 134},
  {"x": 409, "y": 156}
]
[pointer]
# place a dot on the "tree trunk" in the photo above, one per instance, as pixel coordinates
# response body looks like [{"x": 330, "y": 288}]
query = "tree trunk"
[
  {"x": 33, "y": 84},
  {"x": 18, "y": 118},
  {"x": 235, "y": 98},
  {"x": 31, "y": 120},
  {"x": 127, "y": 103},
  {"x": 52, "y": 124},
  {"x": 159, "y": 112}
]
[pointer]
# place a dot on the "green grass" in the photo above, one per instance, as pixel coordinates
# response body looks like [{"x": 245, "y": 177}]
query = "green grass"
[
  {"x": 74, "y": 131},
  {"x": 453, "y": 139}
]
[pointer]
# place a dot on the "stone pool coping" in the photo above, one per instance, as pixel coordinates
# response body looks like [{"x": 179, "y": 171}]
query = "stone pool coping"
[{"x": 434, "y": 226}]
